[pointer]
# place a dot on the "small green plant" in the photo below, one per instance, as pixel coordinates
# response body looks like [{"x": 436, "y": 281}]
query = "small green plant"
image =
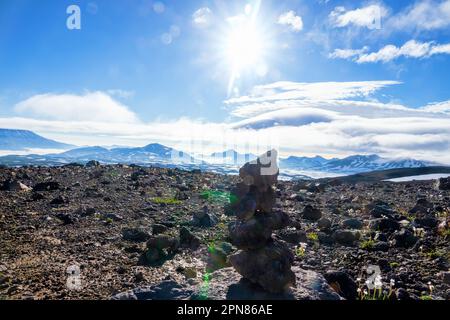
[
  {"x": 109, "y": 220},
  {"x": 434, "y": 254},
  {"x": 300, "y": 251},
  {"x": 313, "y": 236},
  {"x": 426, "y": 297},
  {"x": 159, "y": 200},
  {"x": 368, "y": 244},
  {"x": 394, "y": 264}
]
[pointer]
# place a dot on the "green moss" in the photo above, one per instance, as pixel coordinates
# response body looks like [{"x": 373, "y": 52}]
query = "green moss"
[
  {"x": 426, "y": 297},
  {"x": 394, "y": 264},
  {"x": 313, "y": 236},
  {"x": 160, "y": 200},
  {"x": 368, "y": 244}
]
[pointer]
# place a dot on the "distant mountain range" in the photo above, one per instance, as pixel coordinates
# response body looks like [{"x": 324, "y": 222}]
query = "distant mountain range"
[
  {"x": 223, "y": 162},
  {"x": 351, "y": 164},
  {"x": 11, "y": 139}
]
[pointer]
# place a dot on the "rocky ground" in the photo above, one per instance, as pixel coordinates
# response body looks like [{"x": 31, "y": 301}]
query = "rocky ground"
[{"x": 92, "y": 232}]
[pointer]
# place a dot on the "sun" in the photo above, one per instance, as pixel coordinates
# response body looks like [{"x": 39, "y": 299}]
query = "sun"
[{"x": 245, "y": 45}]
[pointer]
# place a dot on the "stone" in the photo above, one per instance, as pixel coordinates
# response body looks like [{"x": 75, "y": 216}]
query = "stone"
[
  {"x": 346, "y": 237},
  {"x": 14, "y": 185},
  {"x": 261, "y": 173},
  {"x": 293, "y": 236},
  {"x": 352, "y": 223},
  {"x": 139, "y": 234},
  {"x": 268, "y": 266},
  {"x": 311, "y": 213},
  {"x": 324, "y": 224},
  {"x": 47, "y": 186},
  {"x": 444, "y": 183},
  {"x": 426, "y": 222},
  {"x": 261, "y": 260},
  {"x": 227, "y": 284},
  {"x": 159, "y": 248},
  {"x": 59, "y": 200},
  {"x": 405, "y": 239},
  {"x": 158, "y": 228},
  {"x": 65, "y": 218},
  {"x": 384, "y": 225},
  {"x": 256, "y": 232},
  {"x": 342, "y": 283},
  {"x": 380, "y": 209},
  {"x": 204, "y": 219},
  {"x": 188, "y": 239}
]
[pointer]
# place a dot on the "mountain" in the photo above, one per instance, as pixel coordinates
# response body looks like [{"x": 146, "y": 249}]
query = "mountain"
[
  {"x": 230, "y": 157},
  {"x": 304, "y": 163},
  {"x": 11, "y": 139},
  {"x": 226, "y": 162},
  {"x": 350, "y": 165}
]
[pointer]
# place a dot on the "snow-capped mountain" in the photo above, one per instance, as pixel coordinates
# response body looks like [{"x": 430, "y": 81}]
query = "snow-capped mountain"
[
  {"x": 351, "y": 164},
  {"x": 12, "y": 139},
  {"x": 227, "y": 161}
]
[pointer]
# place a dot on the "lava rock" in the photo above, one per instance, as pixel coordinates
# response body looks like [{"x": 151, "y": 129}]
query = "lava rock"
[
  {"x": 342, "y": 283},
  {"x": 324, "y": 224},
  {"x": 14, "y": 185},
  {"x": 352, "y": 224},
  {"x": 346, "y": 237},
  {"x": 204, "y": 219},
  {"x": 47, "y": 186},
  {"x": 159, "y": 228},
  {"x": 293, "y": 236},
  {"x": 139, "y": 234},
  {"x": 269, "y": 266},
  {"x": 188, "y": 239},
  {"x": 444, "y": 184},
  {"x": 404, "y": 239},
  {"x": 311, "y": 213}
]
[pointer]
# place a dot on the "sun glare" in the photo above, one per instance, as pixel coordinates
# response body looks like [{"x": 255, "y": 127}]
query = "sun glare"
[{"x": 244, "y": 45}]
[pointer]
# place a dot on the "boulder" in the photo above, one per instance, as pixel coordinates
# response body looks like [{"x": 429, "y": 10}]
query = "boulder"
[
  {"x": 188, "y": 239},
  {"x": 139, "y": 234},
  {"x": 346, "y": 237},
  {"x": 324, "y": 224},
  {"x": 311, "y": 213},
  {"x": 268, "y": 266},
  {"x": 352, "y": 223},
  {"x": 342, "y": 283},
  {"x": 405, "y": 239}
]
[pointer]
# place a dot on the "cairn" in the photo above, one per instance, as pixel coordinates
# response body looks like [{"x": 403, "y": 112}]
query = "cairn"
[{"x": 261, "y": 259}]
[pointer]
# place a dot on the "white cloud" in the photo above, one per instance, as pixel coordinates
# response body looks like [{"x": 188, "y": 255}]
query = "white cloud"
[
  {"x": 93, "y": 106},
  {"x": 292, "y": 20},
  {"x": 423, "y": 15},
  {"x": 439, "y": 107},
  {"x": 325, "y": 118},
  {"x": 368, "y": 17},
  {"x": 202, "y": 17},
  {"x": 286, "y": 90},
  {"x": 347, "y": 53},
  {"x": 411, "y": 49}
]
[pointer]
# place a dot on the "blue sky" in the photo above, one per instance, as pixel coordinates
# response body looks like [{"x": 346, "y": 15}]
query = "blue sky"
[{"x": 327, "y": 77}]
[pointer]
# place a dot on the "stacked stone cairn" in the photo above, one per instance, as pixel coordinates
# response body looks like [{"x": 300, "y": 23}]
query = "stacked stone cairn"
[{"x": 260, "y": 259}]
